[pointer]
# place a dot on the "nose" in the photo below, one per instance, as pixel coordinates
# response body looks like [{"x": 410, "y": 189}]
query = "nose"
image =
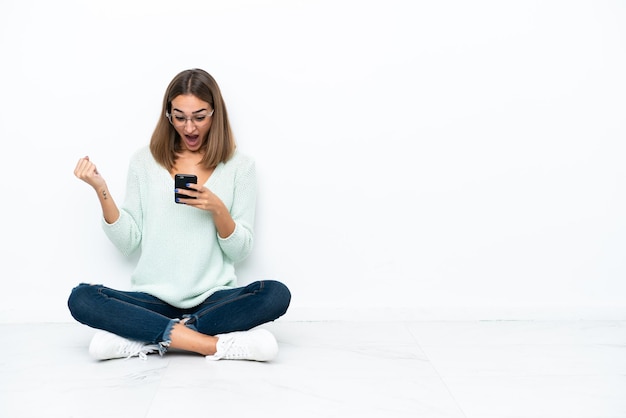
[{"x": 189, "y": 126}]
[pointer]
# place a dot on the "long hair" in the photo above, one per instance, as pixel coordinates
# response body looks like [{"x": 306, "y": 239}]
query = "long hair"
[{"x": 220, "y": 144}]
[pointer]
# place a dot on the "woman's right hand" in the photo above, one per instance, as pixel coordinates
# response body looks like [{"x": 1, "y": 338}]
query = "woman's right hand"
[{"x": 87, "y": 172}]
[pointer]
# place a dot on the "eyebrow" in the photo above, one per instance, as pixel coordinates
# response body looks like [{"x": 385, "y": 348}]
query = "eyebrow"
[{"x": 193, "y": 113}]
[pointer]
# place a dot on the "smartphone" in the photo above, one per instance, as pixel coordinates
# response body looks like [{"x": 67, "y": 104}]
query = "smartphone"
[{"x": 180, "y": 182}]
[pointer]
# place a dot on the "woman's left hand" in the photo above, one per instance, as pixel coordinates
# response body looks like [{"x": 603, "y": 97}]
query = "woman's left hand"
[{"x": 204, "y": 199}]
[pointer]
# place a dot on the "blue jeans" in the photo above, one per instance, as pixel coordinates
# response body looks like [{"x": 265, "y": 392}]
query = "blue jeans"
[{"x": 143, "y": 317}]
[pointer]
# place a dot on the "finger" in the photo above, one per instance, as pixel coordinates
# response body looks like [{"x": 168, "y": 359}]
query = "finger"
[
  {"x": 199, "y": 192},
  {"x": 194, "y": 187},
  {"x": 80, "y": 167},
  {"x": 183, "y": 194},
  {"x": 187, "y": 201},
  {"x": 194, "y": 201},
  {"x": 83, "y": 167},
  {"x": 79, "y": 164},
  {"x": 84, "y": 161}
]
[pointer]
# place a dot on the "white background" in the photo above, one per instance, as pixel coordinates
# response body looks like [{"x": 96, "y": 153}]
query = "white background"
[{"x": 435, "y": 159}]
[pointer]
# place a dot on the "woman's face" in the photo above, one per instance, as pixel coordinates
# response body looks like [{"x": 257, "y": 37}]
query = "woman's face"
[{"x": 192, "y": 118}]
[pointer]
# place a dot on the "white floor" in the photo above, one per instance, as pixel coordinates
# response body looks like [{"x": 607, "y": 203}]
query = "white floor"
[{"x": 331, "y": 369}]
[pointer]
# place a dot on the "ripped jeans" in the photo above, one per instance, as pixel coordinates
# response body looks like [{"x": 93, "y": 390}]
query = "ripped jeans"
[{"x": 142, "y": 317}]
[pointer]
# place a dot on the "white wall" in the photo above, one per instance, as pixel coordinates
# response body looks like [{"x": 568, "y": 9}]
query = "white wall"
[{"x": 440, "y": 159}]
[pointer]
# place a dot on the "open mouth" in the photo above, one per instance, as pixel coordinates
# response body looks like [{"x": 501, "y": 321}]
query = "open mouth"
[{"x": 192, "y": 140}]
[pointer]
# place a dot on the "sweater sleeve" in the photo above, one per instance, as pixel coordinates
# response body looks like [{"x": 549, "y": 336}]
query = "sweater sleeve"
[
  {"x": 125, "y": 233},
  {"x": 238, "y": 245}
]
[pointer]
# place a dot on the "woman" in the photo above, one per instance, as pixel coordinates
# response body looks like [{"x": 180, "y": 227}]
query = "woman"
[{"x": 184, "y": 292}]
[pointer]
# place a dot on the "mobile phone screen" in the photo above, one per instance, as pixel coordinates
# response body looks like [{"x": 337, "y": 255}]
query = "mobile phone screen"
[{"x": 180, "y": 183}]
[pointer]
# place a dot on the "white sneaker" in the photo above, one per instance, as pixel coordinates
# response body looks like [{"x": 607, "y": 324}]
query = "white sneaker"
[
  {"x": 257, "y": 345},
  {"x": 105, "y": 346}
]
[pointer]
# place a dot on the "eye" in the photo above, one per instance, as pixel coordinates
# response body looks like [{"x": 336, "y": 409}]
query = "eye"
[
  {"x": 199, "y": 118},
  {"x": 179, "y": 118}
]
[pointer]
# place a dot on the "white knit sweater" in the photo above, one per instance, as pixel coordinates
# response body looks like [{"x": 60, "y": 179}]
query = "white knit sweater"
[{"x": 183, "y": 260}]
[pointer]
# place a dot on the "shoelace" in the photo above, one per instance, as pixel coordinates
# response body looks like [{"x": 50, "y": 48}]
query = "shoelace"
[
  {"x": 235, "y": 351},
  {"x": 136, "y": 348},
  {"x": 230, "y": 350}
]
